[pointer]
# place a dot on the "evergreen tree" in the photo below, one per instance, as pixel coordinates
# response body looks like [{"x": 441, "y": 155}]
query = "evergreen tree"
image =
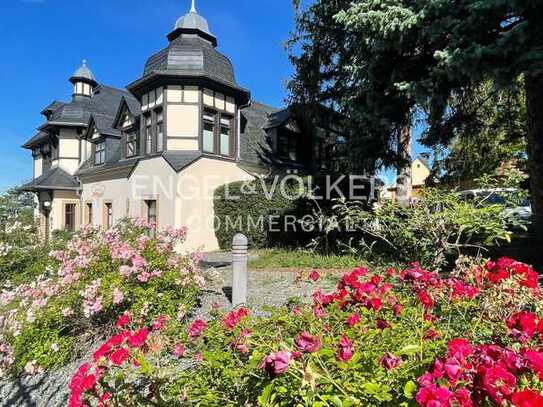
[{"x": 379, "y": 59}]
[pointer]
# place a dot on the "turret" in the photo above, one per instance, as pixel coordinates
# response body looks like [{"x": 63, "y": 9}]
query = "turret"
[{"x": 83, "y": 81}]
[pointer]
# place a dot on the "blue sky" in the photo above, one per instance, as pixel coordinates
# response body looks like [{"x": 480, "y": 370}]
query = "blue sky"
[{"x": 44, "y": 41}]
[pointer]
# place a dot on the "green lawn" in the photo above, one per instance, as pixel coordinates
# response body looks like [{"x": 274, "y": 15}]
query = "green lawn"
[{"x": 281, "y": 258}]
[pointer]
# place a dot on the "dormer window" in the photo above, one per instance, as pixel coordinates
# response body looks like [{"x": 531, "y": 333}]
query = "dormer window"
[{"x": 100, "y": 153}]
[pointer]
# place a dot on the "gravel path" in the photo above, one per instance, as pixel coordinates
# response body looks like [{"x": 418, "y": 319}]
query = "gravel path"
[{"x": 265, "y": 288}]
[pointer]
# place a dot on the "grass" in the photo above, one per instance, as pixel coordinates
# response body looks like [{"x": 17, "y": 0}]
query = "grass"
[{"x": 282, "y": 258}]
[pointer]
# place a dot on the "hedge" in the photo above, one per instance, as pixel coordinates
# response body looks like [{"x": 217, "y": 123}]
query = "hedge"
[{"x": 249, "y": 207}]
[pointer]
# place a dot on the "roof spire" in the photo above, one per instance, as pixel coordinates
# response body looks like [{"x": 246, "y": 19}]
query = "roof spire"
[
  {"x": 193, "y": 8},
  {"x": 84, "y": 62}
]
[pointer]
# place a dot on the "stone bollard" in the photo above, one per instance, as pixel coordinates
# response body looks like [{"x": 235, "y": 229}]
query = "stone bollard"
[{"x": 239, "y": 270}]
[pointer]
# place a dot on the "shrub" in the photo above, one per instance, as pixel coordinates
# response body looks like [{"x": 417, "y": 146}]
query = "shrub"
[
  {"x": 248, "y": 208},
  {"x": 86, "y": 285},
  {"x": 391, "y": 339},
  {"x": 434, "y": 230}
]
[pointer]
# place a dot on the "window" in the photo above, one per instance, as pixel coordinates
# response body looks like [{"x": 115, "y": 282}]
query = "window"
[
  {"x": 208, "y": 142},
  {"x": 131, "y": 145},
  {"x": 159, "y": 131},
  {"x": 47, "y": 162},
  {"x": 152, "y": 216},
  {"x": 225, "y": 139},
  {"x": 88, "y": 216},
  {"x": 287, "y": 145},
  {"x": 148, "y": 135},
  {"x": 69, "y": 217},
  {"x": 100, "y": 153},
  {"x": 108, "y": 215}
]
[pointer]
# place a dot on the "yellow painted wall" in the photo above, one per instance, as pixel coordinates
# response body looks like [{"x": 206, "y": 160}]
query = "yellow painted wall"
[
  {"x": 419, "y": 172},
  {"x": 180, "y": 144},
  {"x": 38, "y": 166},
  {"x": 57, "y": 215},
  {"x": 182, "y": 120},
  {"x": 195, "y": 208}
]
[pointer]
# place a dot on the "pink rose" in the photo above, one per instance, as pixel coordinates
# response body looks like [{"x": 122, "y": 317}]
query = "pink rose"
[
  {"x": 353, "y": 320},
  {"x": 389, "y": 361},
  {"x": 307, "y": 342},
  {"x": 196, "y": 328},
  {"x": 179, "y": 350},
  {"x": 345, "y": 349},
  {"x": 276, "y": 363}
]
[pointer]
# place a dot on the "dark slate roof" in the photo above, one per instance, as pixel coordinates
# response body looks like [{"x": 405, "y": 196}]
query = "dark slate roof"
[
  {"x": 133, "y": 107},
  {"x": 277, "y": 119},
  {"x": 105, "y": 101},
  {"x": 192, "y": 56},
  {"x": 193, "y": 21},
  {"x": 181, "y": 159},
  {"x": 255, "y": 148},
  {"x": 104, "y": 124},
  {"x": 38, "y": 138},
  {"x": 55, "y": 178},
  {"x": 83, "y": 73},
  {"x": 52, "y": 107}
]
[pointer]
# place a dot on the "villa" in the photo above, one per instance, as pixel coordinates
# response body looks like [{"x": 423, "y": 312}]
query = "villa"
[{"x": 160, "y": 147}]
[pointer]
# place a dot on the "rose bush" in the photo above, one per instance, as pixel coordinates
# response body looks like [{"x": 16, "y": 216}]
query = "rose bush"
[
  {"x": 85, "y": 286},
  {"x": 394, "y": 338}
]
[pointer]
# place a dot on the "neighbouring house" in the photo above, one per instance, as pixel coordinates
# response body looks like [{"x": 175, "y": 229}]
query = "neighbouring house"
[
  {"x": 159, "y": 148},
  {"x": 420, "y": 171}
]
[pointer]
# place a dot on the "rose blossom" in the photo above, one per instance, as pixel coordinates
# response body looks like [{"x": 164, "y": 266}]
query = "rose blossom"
[
  {"x": 196, "y": 328},
  {"x": 527, "y": 398},
  {"x": 276, "y": 363},
  {"x": 179, "y": 350},
  {"x": 314, "y": 276},
  {"x": 123, "y": 320},
  {"x": 389, "y": 361},
  {"x": 139, "y": 338},
  {"x": 307, "y": 342},
  {"x": 118, "y": 296},
  {"x": 353, "y": 320},
  {"x": 345, "y": 349},
  {"x": 119, "y": 357}
]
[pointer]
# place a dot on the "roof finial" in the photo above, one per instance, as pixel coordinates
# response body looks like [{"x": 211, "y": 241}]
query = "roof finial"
[
  {"x": 193, "y": 8},
  {"x": 84, "y": 62}
]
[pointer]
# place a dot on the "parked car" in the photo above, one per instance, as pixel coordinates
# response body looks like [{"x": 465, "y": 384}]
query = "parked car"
[{"x": 516, "y": 206}]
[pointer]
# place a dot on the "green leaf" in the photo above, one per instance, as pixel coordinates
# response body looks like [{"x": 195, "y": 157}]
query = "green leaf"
[
  {"x": 409, "y": 389},
  {"x": 410, "y": 350}
]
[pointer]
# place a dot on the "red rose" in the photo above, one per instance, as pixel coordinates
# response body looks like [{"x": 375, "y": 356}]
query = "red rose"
[
  {"x": 523, "y": 325},
  {"x": 527, "y": 398},
  {"x": 139, "y": 338},
  {"x": 314, "y": 276},
  {"x": 459, "y": 349},
  {"x": 353, "y": 320},
  {"x": 535, "y": 360},
  {"x": 425, "y": 299},
  {"x": 499, "y": 383},
  {"x": 123, "y": 321},
  {"x": 119, "y": 357}
]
